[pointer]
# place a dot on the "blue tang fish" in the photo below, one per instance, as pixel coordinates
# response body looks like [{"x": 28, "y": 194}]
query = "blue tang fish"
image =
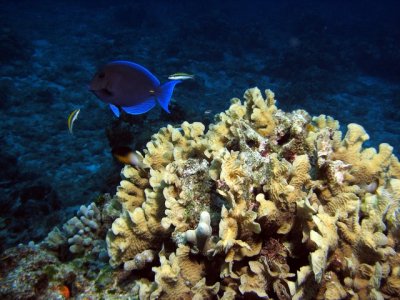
[{"x": 130, "y": 87}]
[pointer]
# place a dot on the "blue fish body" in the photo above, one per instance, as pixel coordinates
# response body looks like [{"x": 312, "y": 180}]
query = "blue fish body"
[{"x": 131, "y": 87}]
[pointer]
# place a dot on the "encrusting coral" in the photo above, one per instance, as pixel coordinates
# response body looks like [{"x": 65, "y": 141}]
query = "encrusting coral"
[{"x": 265, "y": 204}]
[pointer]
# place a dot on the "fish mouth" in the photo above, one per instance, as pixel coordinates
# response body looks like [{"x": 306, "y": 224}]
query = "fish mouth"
[
  {"x": 102, "y": 92},
  {"x": 106, "y": 92}
]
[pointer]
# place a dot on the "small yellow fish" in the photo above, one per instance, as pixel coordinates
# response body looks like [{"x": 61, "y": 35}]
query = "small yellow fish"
[
  {"x": 71, "y": 119},
  {"x": 180, "y": 76}
]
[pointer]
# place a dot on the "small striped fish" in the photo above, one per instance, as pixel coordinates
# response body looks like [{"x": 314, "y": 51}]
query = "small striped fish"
[
  {"x": 72, "y": 118},
  {"x": 180, "y": 76}
]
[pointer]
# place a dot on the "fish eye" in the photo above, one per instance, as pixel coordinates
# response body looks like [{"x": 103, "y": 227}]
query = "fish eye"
[{"x": 101, "y": 75}]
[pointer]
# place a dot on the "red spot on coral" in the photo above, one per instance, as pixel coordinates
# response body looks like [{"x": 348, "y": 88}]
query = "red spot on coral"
[
  {"x": 274, "y": 250},
  {"x": 63, "y": 290}
]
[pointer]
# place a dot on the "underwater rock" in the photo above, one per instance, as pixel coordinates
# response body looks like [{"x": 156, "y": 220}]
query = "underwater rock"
[
  {"x": 29, "y": 209},
  {"x": 264, "y": 204}
]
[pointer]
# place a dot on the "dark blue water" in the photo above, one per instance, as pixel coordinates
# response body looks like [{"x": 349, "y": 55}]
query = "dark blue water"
[{"x": 327, "y": 57}]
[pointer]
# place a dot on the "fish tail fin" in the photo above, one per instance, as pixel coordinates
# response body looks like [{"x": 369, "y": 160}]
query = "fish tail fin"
[
  {"x": 136, "y": 159},
  {"x": 165, "y": 94}
]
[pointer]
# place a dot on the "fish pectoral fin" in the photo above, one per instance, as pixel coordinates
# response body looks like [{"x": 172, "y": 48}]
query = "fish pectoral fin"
[
  {"x": 141, "y": 108},
  {"x": 115, "y": 110},
  {"x": 165, "y": 95}
]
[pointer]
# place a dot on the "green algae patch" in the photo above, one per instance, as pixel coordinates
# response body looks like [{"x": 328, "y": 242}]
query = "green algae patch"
[{"x": 105, "y": 278}]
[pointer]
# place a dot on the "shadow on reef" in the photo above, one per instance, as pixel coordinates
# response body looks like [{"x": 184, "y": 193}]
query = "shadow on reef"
[
  {"x": 136, "y": 130},
  {"x": 28, "y": 212}
]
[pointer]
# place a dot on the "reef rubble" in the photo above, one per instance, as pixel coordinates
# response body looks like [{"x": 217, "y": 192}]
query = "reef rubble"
[{"x": 265, "y": 204}]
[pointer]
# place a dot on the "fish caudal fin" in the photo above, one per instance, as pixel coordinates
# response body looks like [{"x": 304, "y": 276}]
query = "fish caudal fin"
[
  {"x": 165, "y": 94},
  {"x": 140, "y": 108},
  {"x": 115, "y": 110}
]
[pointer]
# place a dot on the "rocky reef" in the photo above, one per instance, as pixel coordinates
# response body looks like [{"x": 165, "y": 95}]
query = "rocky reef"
[{"x": 265, "y": 204}]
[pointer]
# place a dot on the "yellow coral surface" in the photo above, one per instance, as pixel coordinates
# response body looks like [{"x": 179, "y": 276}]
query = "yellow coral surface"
[{"x": 296, "y": 211}]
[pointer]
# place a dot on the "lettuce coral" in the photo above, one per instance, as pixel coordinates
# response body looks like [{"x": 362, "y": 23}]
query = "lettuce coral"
[
  {"x": 265, "y": 204},
  {"x": 261, "y": 177},
  {"x": 264, "y": 176}
]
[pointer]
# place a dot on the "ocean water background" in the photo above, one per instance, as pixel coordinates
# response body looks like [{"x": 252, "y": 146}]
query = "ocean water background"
[{"x": 339, "y": 58}]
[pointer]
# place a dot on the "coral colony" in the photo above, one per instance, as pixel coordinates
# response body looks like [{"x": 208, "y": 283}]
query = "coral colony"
[{"x": 265, "y": 204}]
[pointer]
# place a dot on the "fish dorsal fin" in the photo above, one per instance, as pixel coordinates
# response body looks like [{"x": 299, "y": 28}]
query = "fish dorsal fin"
[
  {"x": 141, "y": 108},
  {"x": 165, "y": 94},
  {"x": 153, "y": 78}
]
